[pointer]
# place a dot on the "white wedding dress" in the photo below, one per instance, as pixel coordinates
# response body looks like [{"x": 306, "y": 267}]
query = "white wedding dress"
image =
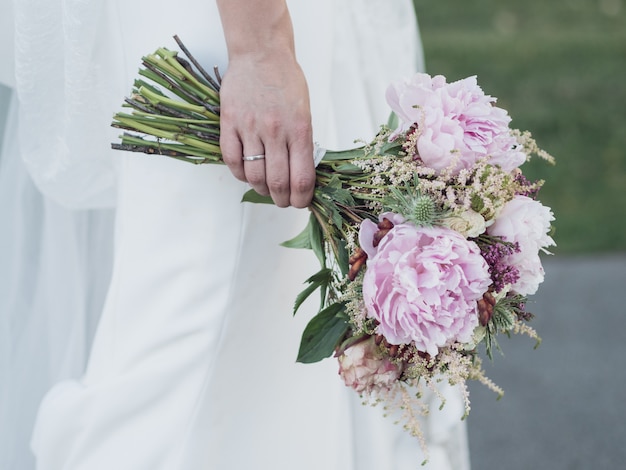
[{"x": 192, "y": 365}]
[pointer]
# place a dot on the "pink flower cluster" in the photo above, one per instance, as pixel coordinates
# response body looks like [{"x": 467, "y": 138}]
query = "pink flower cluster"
[
  {"x": 457, "y": 124},
  {"x": 422, "y": 284},
  {"x": 525, "y": 222},
  {"x": 365, "y": 369}
]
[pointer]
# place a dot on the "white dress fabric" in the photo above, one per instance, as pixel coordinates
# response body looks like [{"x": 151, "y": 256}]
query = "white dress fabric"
[{"x": 192, "y": 365}]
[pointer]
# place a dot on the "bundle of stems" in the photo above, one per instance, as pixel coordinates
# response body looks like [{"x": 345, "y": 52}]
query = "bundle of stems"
[{"x": 177, "y": 106}]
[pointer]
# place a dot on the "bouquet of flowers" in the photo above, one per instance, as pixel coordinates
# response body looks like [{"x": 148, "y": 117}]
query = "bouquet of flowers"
[{"x": 428, "y": 236}]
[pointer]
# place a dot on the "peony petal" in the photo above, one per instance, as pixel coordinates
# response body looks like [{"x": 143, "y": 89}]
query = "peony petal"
[{"x": 427, "y": 282}]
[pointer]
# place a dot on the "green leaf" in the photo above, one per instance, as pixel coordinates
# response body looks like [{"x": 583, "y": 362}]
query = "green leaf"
[
  {"x": 392, "y": 147},
  {"x": 332, "y": 194},
  {"x": 302, "y": 296},
  {"x": 342, "y": 257},
  {"x": 336, "y": 193},
  {"x": 253, "y": 196},
  {"x": 323, "y": 334},
  {"x": 303, "y": 239},
  {"x": 503, "y": 318},
  {"x": 319, "y": 279},
  {"x": 335, "y": 216},
  {"x": 348, "y": 169},
  {"x": 317, "y": 240},
  {"x": 334, "y": 183},
  {"x": 343, "y": 155}
]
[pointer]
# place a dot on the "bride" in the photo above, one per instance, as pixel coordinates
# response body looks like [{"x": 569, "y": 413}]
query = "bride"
[{"x": 192, "y": 362}]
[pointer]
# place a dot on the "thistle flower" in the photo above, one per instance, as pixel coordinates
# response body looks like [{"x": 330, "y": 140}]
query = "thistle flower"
[{"x": 417, "y": 208}]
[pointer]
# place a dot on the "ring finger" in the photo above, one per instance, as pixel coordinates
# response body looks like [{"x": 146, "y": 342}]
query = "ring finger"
[{"x": 254, "y": 166}]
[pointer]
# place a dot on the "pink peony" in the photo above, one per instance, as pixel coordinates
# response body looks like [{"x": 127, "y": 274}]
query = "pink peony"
[
  {"x": 422, "y": 284},
  {"x": 365, "y": 369},
  {"x": 456, "y": 122},
  {"x": 526, "y": 222}
]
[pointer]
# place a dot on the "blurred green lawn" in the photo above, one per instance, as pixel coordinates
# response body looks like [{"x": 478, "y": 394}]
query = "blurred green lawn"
[{"x": 559, "y": 68}]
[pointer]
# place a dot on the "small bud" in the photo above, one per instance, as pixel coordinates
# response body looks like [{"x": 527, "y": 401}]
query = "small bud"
[
  {"x": 491, "y": 300},
  {"x": 485, "y": 308},
  {"x": 358, "y": 253},
  {"x": 383, "y": 229},
  {"x": 393, "y": 350},
  {"x": 356, "y": 262},
  {"x": 385, "y": 224}
]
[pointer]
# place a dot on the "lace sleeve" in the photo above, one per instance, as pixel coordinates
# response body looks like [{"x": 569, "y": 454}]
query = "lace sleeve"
[
  {"x": 65, "y": 100},
  {"x": 7, "y": 69}
]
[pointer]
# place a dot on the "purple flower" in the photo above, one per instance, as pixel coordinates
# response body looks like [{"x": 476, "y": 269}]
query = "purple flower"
[
  {"x": 524, "y": 222},
  {"x": 457, "y": 124},
  {"x": 527, "y": 188},
  {"x": 365, "y": 369},
  {"x": 502, "y": 274},
  {"x": 422, "y": 284}
]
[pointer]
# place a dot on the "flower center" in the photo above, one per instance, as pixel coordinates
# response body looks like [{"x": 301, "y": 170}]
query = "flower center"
[{"x": 424, "y": 211}]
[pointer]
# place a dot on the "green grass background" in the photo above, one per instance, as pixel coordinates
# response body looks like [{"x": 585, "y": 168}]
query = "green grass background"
[{"x": 559, "y": 68}]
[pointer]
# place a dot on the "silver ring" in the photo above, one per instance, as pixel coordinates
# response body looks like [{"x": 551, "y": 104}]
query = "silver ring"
[{"x": 252, "y": 158}]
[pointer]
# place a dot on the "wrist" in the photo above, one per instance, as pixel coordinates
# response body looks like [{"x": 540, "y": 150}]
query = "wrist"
[{"x": 259, "y": 29}]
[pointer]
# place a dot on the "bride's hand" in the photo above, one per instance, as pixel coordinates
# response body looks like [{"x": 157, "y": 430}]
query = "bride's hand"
[
  {"x": 265, "y": 105},
  {"x": 265, "y": 111}
]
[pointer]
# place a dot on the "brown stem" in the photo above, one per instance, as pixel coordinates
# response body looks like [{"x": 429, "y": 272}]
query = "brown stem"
[
  {"x": 147, "y": 149},
  {"x": 215, "y": 85},
  {"x": 167, "y": 111},
  {"x": 162, "y": 151},
  {"x": 140, "y": 106},
  {"x": 216, "y": 71},
  {"x": 175, "y": 86}
]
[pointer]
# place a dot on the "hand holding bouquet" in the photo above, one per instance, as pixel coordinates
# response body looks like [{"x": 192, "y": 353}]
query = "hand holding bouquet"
[{"x": 428, "y": 236}]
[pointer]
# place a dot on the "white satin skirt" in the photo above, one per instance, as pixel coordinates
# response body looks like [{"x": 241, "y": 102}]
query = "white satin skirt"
[{"x": 193, "y": 362}]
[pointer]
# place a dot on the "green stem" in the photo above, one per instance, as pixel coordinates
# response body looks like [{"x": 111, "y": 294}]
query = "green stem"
[
  {"x": 155, "y": 98},
  {"x": 205, "y": 123},
  {"x": 170, "y": 59},
  {"x": 180, "y": 151},
  {"x": 175, "y": 136}
]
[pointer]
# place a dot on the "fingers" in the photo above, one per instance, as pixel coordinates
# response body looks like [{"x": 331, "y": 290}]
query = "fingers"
[
  {"x": 277, "y": 171},
  {"x": 286, "y": 172},
  {"x": 254, "y": 170},
  {"x": 237, "y": 144},
  {"x": 301, "y": 171},
  {"x": 289, "y": 169},
  {"x": 231, "y": 147},
  {"x": 268, "y": 115}
]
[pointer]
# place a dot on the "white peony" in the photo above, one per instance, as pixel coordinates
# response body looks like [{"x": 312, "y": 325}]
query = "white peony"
[
  {"x": 469, "y": 223},
  {"x": 526, "y": 222}
]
